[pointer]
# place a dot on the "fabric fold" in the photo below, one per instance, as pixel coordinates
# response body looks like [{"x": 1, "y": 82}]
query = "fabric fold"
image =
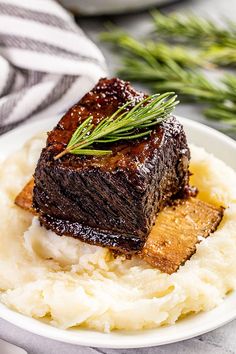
[{"x": 47, "y": 63}]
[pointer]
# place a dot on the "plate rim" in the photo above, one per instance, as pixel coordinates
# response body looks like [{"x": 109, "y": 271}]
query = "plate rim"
[
  {"x": 99, "y": 339},
  {"x": 31, "y": 326}
]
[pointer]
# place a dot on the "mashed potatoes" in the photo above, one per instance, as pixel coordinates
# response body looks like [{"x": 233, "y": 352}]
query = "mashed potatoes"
[{"x": 71, "y": 283}]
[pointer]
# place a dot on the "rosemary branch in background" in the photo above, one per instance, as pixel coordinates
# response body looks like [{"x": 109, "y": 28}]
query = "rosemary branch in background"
[
  {"x": 221, "y": 98},
  {"x": 189, "y": 28},
  {"x": 219, "y": 42},
  {"x": 121, "y": 125},
  {"x": 152, "y": 51},
  {"x": 163, "y": 66}
]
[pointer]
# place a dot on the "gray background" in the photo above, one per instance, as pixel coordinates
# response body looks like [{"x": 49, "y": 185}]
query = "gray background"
[{"x": 222, "y": 340}]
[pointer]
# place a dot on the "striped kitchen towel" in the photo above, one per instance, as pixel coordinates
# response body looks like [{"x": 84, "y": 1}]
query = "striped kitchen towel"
[{"x": 46, "y": 61}]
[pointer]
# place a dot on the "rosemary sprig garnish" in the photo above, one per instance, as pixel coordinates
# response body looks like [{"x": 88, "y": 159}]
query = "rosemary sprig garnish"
[{"x": 121, "y": 125}]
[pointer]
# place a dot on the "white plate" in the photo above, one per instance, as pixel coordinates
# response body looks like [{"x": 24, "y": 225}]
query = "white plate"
[
  {"x": 213, "y": 141},
  {"x": 102, "y": 7}
]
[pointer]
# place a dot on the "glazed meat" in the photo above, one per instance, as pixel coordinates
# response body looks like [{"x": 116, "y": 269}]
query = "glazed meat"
[
  {"x": 110, "y": 200},
  {"x": 177, "y": 231}
]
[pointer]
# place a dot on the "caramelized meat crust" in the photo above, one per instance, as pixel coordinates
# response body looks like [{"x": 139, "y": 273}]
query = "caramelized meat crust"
[
  {"x": 173, "y": 238},
  {"x": 110, "y": 200}
]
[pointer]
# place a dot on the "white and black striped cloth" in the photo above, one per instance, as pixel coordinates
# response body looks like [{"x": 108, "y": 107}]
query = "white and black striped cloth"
[{"x": 46, "y": 61}]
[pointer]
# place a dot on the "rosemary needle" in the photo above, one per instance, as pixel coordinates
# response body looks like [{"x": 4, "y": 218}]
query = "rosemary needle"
[{"x": 121, "y": 125}]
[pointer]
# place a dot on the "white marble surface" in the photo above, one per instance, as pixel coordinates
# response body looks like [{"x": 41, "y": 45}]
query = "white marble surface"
[{"x": 220, "y": 341}]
